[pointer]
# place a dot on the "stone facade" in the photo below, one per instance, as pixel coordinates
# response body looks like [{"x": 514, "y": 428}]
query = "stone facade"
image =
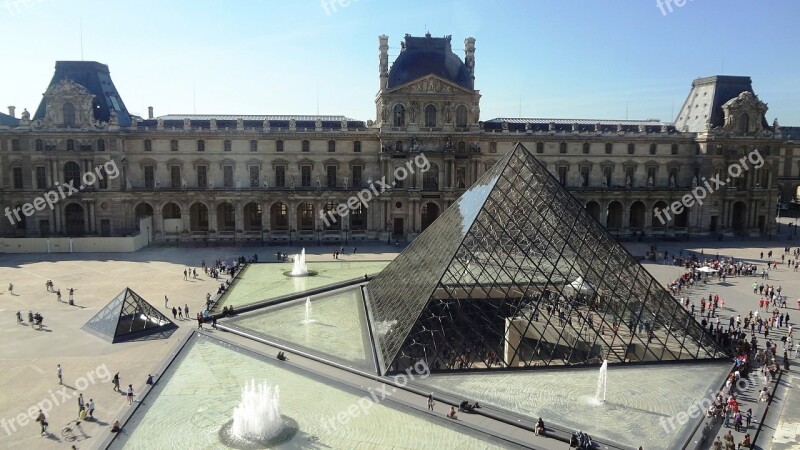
[{"x": 281, "y": 179}]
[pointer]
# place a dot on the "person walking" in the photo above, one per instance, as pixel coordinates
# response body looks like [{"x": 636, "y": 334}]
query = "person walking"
[
  {"x": 130, "y": 394},
  {"x": 90, "y": 408},
  {"x": 10, "y": 288},
  {"x": 180, "y": 313},
  {"x": 71, "y": 296},
  {"x": 115, "y": 380},
  {"x": 430, "y": 401},
  {"x": 42, "y": 421},
  {"x": 186, "y": 310},
  {"x": 58, "y": 374},
  {"x": 80, "y": 403},
  {"x": 166, "y": 302},
  {"x": 174, "y": 313}
]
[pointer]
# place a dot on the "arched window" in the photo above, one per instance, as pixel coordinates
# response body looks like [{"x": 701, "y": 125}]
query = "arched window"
[
  {"x": 331, "y": 220},
  {"x": 744, "y": 123},
  {"x": 68, "y": 111},
  {"x": 399, "y": 115},
  {"x": 72, "y": 173},
  {"x": 461, "y": 116},
  {"x": 430, "y": 116},
  {"x": 430, "y": 180}
]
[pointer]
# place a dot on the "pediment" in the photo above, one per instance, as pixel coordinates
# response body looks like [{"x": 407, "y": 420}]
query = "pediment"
[{"x": 430, "y": 84}]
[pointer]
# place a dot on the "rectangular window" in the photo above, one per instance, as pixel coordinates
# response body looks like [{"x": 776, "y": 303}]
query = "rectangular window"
[
  {"x": 101, "y": 145},
  {"x": 585, "y": 176},
  {"x": 39, "y": 145},
  {"x": 173, "y": 145},
  {"x": 358, "y": 181},
  {"x": 609, "y": 147},
  {"x": 149, "y": 177},
  {"x": 306, "y": 146},
  {"x": 201, "y": 146},
  {"x": 331, "y": 146},
  {"x": 254, "y": 145},
  {"x": 562, "y": 175},
  {"x": 278, "y": 146},
  {"x": 305, "y": 176},
  {"x": 331, "y": 176},
  {"x": 148, "y": 145},
  {"x": 175, "y": 177},
  {"x": 102, "y": 178},
  {"x": 562, "y": 147},
  {"x": 651, "y": 176},
  {"x": 15, "y": 147},
  {"x": 280, "y": 176},
  {"x": 357, "y": 147},
  {"x": 41, "y": 177},
  {"x": 607, "y": 174},
  {"x": 255, "y": 174},
  {"x": 227, "y": 176},
  {"x": 105, "y": 227},
  {"x": 202, "y": 176},
  {"x": 70, "y": 145},
  {"x": 17, "y": 171},
  {"x": 631, "y": 149},
  {"x": 227, "y": 146}
]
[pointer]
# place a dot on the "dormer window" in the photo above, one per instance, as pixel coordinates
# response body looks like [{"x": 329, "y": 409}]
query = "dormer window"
[{"x": 68, "y": 111}]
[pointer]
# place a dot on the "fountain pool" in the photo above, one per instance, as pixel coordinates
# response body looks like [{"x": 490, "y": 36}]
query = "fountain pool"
[
  {"x": 263, "y": 281},
  {"x": 338, "y": 330},
  {"x": 197, "y": 394},
  {"x": 642, "y": 396}
]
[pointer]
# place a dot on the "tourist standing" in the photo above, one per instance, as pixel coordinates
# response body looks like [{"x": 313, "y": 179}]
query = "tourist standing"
[
  {"x": 130, "y": 394},
  {"x": 58, "y": 374},
  {"x": 174, "y": 313},
  {"x": 430, "y": 401},
  {"x": 166, "y": 302},
  {"x": 10, "y": 288},
  {"x": 186, "y": 310},
  {"x": 90, "y": 408},
  {"x": 80, "y": 403}
]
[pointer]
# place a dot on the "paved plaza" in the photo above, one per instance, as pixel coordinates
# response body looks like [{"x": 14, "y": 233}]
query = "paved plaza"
[{"x": 29, "y": 357}]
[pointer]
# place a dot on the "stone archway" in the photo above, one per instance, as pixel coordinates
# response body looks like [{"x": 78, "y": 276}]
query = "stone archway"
[
  {"x": 614, "y": 215},
  {"x": 198, "y": 217},
  {"x": 74, "y": 220},
  {"x": 739, "y": 217},
  {"x": 637, "y": 216},
  {"x": 593, "y": 208},
  {"x": 428, "y": 214}
]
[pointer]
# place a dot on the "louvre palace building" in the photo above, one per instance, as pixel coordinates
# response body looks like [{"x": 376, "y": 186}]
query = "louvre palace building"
[{"x": 272, "y": 178}]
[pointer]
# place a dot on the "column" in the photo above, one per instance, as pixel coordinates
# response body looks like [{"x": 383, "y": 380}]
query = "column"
[
  {"x": 158, "y": 220},
  {"x": 86, "y": 228},
  {"x": 212, "y": 217},
  {"x": 626, "y": 217},
  {"x": 265, "y": 215},
  {"x": 238, "y": 214},
  {"x": 603, "y": 214}
]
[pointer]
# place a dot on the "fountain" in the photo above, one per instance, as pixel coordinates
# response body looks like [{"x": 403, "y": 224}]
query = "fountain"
[
  {"x": 602, "y": 381},
  {"x": 257, "y": 421},
  {"x": 300, "y": 269},
  {"x": 308, "y": 312}
]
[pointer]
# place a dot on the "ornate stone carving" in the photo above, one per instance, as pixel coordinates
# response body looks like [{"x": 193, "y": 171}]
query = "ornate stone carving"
[
  {"x": 344, "y": 125},
  {"x": 213, "y": 124},
  {"x": 745, "y": 105},
  {"x": 26, "y": 116},
  {"x": 61, "y": 93},
  {"x": 239, "y": 123},
  {"x": 429, "y": 86},
  {"x": 292, "y": 124},
  {"x": 448, "y": 112},
  {"x": 476, "y": 112},
  {"x": 318, "y": 123},
  {"x": 414, "y": 110}
]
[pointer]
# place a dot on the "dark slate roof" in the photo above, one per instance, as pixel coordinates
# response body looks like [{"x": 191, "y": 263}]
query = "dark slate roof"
[
  {"x": 423, "y": 56},
  {"x": 790, "y": 133},
  {"x": 705, "y": 100},
  {"x": 261, "y": 118},
  {"x": 96, "y": 78},
  {"x": 203, "y": 121},
  {"x": 584, "y": 125},
  {"x": 8, "y": 121}
]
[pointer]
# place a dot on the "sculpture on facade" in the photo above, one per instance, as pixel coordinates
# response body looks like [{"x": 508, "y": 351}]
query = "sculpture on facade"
[
  {"x": 448, "y": 112},
  {"x": 414, "y": 111},
  {"x": 672, "y": 180},
  {"x": 650, "y": 181},
  {"x": 264, "y": 184},
  {"x": 26, "y": 116}
]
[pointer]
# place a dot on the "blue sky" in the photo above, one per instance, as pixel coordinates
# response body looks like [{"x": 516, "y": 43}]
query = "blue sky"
[{"x": 538, "y": 58}]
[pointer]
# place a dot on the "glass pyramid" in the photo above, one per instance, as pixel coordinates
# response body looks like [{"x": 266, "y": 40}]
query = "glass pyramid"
[
  {"x": 517, "y": 274},
  {"x": 129, "y": 317}
]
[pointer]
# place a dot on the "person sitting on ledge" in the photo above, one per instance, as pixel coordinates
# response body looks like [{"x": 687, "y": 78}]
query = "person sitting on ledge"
[
  {"x": 539, "y": 428},
  {"x": 115, "y": 426},
  {"x": 281, "y": 356},
  {"x": 468, "y": 407},
  {"x": 746, "y": 441},
  {"x": 452, "y": 413}
]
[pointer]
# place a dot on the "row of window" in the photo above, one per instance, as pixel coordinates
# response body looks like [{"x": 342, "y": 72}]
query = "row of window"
[
  {"x": 254, "y": 173},
  {"x": 228, "y": 146},
  {"x": 72, "y": 174},
  {"x": 562, "y": 148},
  {"x": 430, "y": 116},
  {"x": 71, "y": 145}
]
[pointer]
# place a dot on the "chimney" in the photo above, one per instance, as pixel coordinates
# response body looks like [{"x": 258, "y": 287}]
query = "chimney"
[
  {"x": 149, "y": 112},
  {"x": 383, "y": 60},
  {"x": 469, "y": 55},
  {"x": 12, "y": 111}
]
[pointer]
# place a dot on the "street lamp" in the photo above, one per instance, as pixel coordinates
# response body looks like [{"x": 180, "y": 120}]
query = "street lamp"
[{"x": 346, "y": 230}]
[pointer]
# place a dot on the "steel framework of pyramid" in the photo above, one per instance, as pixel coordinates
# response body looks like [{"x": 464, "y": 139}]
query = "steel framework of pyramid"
[
  {"x": 517, "y": 274},
  {"x": 129, "y": 317}
]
